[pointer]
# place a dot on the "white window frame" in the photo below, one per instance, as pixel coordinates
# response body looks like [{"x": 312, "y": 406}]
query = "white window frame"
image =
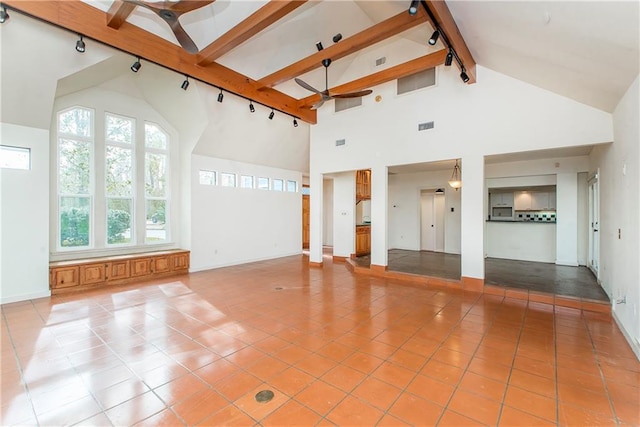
[{"x": 167, "y": 196}]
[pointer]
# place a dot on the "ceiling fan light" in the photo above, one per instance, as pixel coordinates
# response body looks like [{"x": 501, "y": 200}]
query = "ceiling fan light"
[
  {"x": 413, "y": 9},
  {"x": 4, "y": 15},
  {"x": 80, "y": 46},
  {"x": 220, "y": 96},
  {"x": 271, "y": 114},
  {"x": 434, "y": 37},
  {"x": 464, "y": 76},
  {"x": 136, "y": 65},
  {"x": 295, "y": 123},
  {"x": 449, "y": 59},
  {"x": 251, "y": 107}
]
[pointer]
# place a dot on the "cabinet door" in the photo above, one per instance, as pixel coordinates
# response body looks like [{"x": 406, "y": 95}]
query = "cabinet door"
[
  {"x": 64, "y": 277},
  {"x": 539, "y": 201},
  {"x": 92, "y": 273},
  {"x": 522, "y": 200},
  {"x": 552, "y": 200},
  {"x": 141, "y": 267},
  {"x": 180, "y": 261},
  {"x": 118, "y": 270},
  {"x": 161, "y": 264}
]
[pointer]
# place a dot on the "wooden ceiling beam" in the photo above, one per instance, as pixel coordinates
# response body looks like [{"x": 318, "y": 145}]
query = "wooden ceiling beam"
[
  {"x": 118, "y": 13},
  {"x": 402, "y": 70},
  {"x": 258, "y": 21},
  {"x": 80, "y": 18},
  {"x": 445, "y": 21},
  {"x": 372, "y": 35}
]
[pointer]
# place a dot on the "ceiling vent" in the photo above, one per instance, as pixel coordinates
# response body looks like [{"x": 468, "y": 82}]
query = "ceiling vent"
[
  {"x": 342, "y": 104},
  {"x": 340, "y": 142},
  {"x": 417, "y": 81},
  {"x": 425, "y": 126},
  {"x": 381, "y": 61}
]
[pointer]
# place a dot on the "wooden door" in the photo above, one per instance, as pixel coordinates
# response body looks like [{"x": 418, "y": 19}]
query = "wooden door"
[{"x": 305, "y": 220}]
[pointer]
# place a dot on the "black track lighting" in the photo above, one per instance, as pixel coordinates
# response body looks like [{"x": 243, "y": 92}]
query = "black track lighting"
[
  {"x": 319, "y": 46},
  {"x": 434, "y": 37},
  {"x": 464, "y": 76},
  {"x": 4, "y": 15},
  {"x": 271, "y": 114},
  {"x": 295, "y": 123},
  {"x": 80, "y": 46},
  {"x": 220, "y": 96},
  {"x": 449, "y": 59},
  {"x": 251, "y": 107},
  {"x": 136, "y": 65},
  {"x": 185, "y": 83},
  {"x": 413, "y": 9},
  {"x": 337, "y": 38}
]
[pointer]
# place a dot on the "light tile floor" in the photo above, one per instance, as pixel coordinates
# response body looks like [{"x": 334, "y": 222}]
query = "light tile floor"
[{"x": 335, "y": 348}]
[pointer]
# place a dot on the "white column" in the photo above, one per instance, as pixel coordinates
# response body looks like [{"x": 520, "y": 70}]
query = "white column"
[
  {"x": 472, "y": 227},
  {"x": 315, "y": 226},
  {"x": 379, "y": 205},
  {"x": 567, "y": 219}
]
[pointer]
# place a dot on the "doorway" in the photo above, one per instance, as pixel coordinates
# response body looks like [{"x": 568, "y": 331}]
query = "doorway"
[
  {"x": 432, "y": 220},
  {"x": 594, "y": 224}
]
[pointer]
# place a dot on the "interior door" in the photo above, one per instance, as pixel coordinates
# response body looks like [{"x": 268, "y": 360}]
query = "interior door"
[
  {"x": 427, "y": 222},
  {"x": 305, "y": 220},
  {"x": 594, "y": 225}
]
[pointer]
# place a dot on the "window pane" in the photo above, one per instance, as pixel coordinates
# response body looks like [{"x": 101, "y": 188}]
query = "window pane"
[
  {"x": 119, "y": 129},
  {"x": 15, "y": 157},
  {"x": 74, "y": 167},
  {"x": 156, "y": 221},
  {"x": 228, "y": 179},
  {"x": 74, "y": 221},
  {"x": 155, "y": 174},
  {"x": 263, "y": 183},
  {"x": 292, "y": 186},
  {"x": 154, "y": 136},
  {"x": 119, "y": 221},
  {"x": 246, "y": 181},
  {"x": 306, "y": 191},
  {"x": 75, "y": 122},
  {"x": 278, "y": 185},
  {"x": 207, "y": 178},
  {"x": 119, "y": 171}
]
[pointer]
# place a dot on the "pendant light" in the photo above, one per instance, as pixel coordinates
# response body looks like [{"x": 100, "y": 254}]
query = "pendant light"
[{"x": 455, "y": 181}]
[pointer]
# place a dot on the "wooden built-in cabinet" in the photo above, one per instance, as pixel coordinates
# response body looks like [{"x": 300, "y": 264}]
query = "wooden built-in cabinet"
[
  {"x": 363, "y": 184},
  {"x": 94, "y": 272},
  {"x": 363, "y": 240}
]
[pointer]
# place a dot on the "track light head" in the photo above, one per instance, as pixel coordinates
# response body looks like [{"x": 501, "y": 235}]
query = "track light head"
[
  {"x": 80, "y": 46},
  {"x": 337, "y": 38},
  {"x": 4, "y": 15},
  {"x": 136, "y": 65},
  {"x": 464, "y": 76},
  {"x": 449, "y": 59},
  {"x": 220, "y": 96},
  {"x": 434, "y": 37},
  {"x": 413, "y": 9},
  {"x": 271, "y": 114},
  {"x": 251, "y": 107},
  {"x": 185, "y": 83},
  {"x": 319, "y": 46},
  {"x": 295, "y": 123}
]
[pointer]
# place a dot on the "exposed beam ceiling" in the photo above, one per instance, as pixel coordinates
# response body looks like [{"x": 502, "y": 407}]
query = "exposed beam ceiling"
[
  {"x": 372, "y": 35},
  {"x": 118, "y": 13}
]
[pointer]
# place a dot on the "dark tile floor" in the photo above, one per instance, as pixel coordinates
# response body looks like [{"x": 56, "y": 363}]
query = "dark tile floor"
[{"x": 536, "y": 276}]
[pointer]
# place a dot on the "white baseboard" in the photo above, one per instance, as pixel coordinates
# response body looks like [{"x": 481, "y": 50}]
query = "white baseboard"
[
  {"x": 25, "y": 297},
  {"x": 568, "y": 263},
  {"x": 635, "y": 345}
]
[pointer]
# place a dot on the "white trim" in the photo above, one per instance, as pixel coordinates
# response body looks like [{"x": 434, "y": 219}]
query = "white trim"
[
  {"x": 245, "y": 261},
  {"x": 25, "y": 297},
  {"x": 634, "y": 344}
]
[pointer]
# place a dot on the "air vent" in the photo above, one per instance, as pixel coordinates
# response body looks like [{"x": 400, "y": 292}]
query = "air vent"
[
  {"x": 342, "y": 104},
  {"x": 340, "y": 142},
  {"x": 417, "y": 81},
  {"x": 425, "y": 126},
  {"x": 381, "y": 61}
]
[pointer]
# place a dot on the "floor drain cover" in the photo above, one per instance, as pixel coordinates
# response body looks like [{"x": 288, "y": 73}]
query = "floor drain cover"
[
  {"x": 264, "y": 396},
  {"x": 279, "y": 288}
]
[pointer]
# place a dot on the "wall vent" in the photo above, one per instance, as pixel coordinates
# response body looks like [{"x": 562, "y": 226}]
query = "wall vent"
[
  {"x": 340, "y": 142},
  {"x": 342, "y": 104},
  {"x": 425, "y": 126},
  {"x": 381, "y": 61},
  {"x": 417, "y": 81}
]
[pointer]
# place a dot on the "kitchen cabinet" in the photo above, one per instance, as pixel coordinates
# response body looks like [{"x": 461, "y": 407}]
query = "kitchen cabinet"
[
  {"x": 502, "y": 199},
  {"x": 522, "y": 200},
  {"x": 534, "y": 200},
  {"x": 539, "y": 201},
  {"x": 363, "y": 184},
  {"x": 363, "y": 240}
]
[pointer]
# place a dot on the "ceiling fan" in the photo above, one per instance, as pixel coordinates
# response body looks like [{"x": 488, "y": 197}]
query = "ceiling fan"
[
  {"x": 170, "y": 11},
  {"x": 325, "y": 95}
]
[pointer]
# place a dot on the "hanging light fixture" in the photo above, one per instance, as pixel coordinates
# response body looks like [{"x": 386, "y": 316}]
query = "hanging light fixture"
[
  {"x": 440, "y": 191},
  {"x": 136, "y": 65},
  {"x": 80, "y": 46},
  {"x": 455, "y": 181},
  {"x": 449, "y": 59},
  {"x": 220, "y": 96},
  {"x": 251, "y": 107},
  {"x": 185, "y": 83},
  {"x": 295, "y": 123},
  {"x": 271, "y": 114},
  {"x": 464, "y": 76}
]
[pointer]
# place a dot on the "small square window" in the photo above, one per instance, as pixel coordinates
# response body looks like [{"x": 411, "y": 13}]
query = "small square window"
[
  {"x": 263, "y": 183},
  {"x": 228, "y": 179},
  {"x": 278, "y": 185},
  {"x": 306, "y": 191},
  {"x": 15, "y": 157},
  {"x": 292, "y": 186},
  {"x": 246, "y": 181},
  {"x": 207, "y": 177}
]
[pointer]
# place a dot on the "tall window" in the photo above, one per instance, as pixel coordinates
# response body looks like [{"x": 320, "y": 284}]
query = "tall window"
[
  {"x": 155, "y": 172},
  {"x": 75, "y": 173}
]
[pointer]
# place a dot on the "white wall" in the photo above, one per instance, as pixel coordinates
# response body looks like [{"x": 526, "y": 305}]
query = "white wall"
[
  {"x": 567, "y": 219},
  {"x": 344, "y": 202},
  {"x": 238, "y": 225},
  {"x": 583, "y": 218},
  {"x": 328, "y": 212},
  {"x": 619, "y": 182},
  {"x": 24, "y": 218}
]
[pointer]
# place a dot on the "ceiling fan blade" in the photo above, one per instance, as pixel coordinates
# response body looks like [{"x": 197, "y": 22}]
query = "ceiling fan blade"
[
  {"x": 353, "y": 94},
  {"x": 185, "y": 6},
  {"x": 182, "y": 36},
  {"x": 307, "y": 86},
  {"x": 317, "y": 104}
]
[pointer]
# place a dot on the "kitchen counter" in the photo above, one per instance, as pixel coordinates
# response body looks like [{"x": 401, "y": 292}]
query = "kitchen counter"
[
  {"x": 521, "y": 240},
  {"x": 363, "y": 225},
  {"x": 519, "y": 221}
]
